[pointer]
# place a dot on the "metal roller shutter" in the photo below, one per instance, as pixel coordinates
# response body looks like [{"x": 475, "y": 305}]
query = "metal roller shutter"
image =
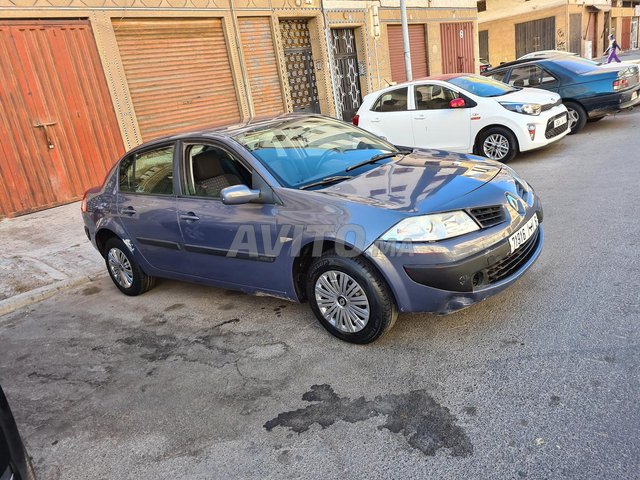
[
  {"x": 178, "y": 73},
  {"x": 262, "y": 69},
  {"x": 58, "y": 129},
  {"x": 418, "y": 46}
]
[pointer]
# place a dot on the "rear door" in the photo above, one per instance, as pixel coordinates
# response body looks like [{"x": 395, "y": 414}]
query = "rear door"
[
  {"x": 147, "y": 206},
  {"x": 233, "y": 245},
  {"x": 390, "y": 117},
  {"x": 434, "y": 123}
]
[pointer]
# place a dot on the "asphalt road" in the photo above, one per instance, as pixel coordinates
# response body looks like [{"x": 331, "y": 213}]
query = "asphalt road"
[{"x": 541, "y": 381}]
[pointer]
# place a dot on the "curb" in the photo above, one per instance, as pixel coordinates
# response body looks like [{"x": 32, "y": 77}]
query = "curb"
[{"x": 42, "y": 293}]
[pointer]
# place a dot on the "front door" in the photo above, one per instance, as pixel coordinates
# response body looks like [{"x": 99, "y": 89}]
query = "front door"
[
  {"x": 435, "y": 124},
  {"x": 147, "y": 207},
  {"x": 345, "y": 58},
  {"x": 296, "y": 43},
  {"x": 234, "y": 245}
]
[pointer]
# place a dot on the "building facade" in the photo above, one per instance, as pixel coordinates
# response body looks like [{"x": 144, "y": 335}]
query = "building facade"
[
  {"x": 86, "y": 80},
  {"x": 509, "y": 29}
]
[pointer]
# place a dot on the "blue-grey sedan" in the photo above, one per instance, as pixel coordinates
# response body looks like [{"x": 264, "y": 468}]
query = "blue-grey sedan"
[{"x": 309, "y": 208}]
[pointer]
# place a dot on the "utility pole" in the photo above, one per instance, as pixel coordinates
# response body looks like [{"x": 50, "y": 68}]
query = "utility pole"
[{"x": 405, "y": 40}]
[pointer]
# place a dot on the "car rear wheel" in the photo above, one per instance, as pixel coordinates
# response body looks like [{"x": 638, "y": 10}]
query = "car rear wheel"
[
  {"x": 577, "y": 117},
  {"x": 124, "y": 270},
  {"x": 498, "y": 143},
  {"x": 350, "y": 298}
]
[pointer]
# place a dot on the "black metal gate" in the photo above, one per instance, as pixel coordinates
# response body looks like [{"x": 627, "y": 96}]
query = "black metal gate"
[
  {"x": 345, "y": 57},
  {"x": 535, "y": 35},
  {"x": 300, "y": 66},
  {"x": 483, "y": 39}
]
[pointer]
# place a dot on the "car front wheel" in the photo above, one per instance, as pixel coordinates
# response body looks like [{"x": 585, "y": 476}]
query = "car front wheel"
[
  {"x": 124, "y": 270},
  {"x": 350, "y": 298},
  {"x": 577, "y": 117},
  {"x": 497, "y": 143}
]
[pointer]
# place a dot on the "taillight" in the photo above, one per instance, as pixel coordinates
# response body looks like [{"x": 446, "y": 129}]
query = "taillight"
[
  {"x": 620, "y": 83},
  {"x": 356, "y": 120},
  {"x": 83, "y": 205}
]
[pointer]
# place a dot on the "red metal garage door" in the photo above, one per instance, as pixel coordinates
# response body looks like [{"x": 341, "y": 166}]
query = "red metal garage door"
[
  {"x": 58, "y": 130},
  {"x": 625, "y": 36},
  {"x": 418, "y": 46},
  {"x": 457, "y": 47}
]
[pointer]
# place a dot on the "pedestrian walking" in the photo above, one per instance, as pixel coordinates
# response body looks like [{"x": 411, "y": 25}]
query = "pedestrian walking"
[{"x": 611, "y": 50}]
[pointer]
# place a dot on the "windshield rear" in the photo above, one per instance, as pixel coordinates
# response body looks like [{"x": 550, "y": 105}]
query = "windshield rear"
[
  {"x": 482, "y": 86},
  {"x": 576, "y": 64},
  {"x": 300, "y": 151}
]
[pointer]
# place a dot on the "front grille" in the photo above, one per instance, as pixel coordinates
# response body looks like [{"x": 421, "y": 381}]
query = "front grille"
[
  {"x": 549, "y": 106},
  {"x": 488, "y": 216},
  {"x": 513, "y": 262},
  {"x": 552, "y": 132}
]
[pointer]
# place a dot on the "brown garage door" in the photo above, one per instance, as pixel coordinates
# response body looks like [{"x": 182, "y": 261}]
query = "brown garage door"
[
  {"x": 418, "y": 46},
  {"x": 262, "y": 69},
  {"x": 457, "y": 47},
  {"x": 535, "y": 35},
  {"x": 178, "y": 73},
  {"x": 58, "y": 131}
]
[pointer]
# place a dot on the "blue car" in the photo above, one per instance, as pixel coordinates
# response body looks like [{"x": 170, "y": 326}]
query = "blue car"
[
  {"x": 589, "y": 91},
  {"x": 309, "y": 208}
]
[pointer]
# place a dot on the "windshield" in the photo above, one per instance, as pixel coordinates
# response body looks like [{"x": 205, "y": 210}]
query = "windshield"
[
  {"x": 482, "y": 86},
  {"x": 304, "y": 150}
]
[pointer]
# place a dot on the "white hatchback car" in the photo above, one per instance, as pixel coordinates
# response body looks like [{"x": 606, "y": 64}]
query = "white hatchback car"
[{"x": 465, "y": 113}]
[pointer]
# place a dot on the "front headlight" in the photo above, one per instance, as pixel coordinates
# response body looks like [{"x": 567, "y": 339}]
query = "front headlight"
[
  {"x": 526, "y": 108},
  {"x": 428, "y": 228}
]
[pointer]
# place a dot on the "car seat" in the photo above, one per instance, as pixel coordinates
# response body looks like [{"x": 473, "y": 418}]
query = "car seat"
[{"x": 209, "y": 176}]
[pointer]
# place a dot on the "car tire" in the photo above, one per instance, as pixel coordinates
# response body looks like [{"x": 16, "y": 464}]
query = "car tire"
[
  {"x": 124, "y": 270},
  {"x": 577, "y": 117},
  {"x": 497, "y": 143},
  {"x": 350, "y": 298}
]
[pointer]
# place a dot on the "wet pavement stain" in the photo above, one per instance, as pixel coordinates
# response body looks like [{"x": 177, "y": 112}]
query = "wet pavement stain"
[{"x": 426, "y": 425}]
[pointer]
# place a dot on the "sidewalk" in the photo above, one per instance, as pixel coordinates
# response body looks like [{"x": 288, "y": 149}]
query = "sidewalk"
[{"x": 43, "y": 253}]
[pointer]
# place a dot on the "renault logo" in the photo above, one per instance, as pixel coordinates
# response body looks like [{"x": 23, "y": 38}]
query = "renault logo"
[{"x": 513, "y": 201}]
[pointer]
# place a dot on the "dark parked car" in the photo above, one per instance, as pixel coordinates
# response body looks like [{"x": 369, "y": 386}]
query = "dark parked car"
[
  {"x": 310, "y": 208},
  {"x": 14, "y": 461},
  {"x": 589, "y": 91}
]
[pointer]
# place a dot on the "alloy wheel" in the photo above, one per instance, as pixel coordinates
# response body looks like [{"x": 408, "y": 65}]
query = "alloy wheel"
[
  {"x": 573, "y": 118},
  {"x": 496, "y": 146},
  {"x": 342, "y": 301},
  {"x": 120, "y": 267}
]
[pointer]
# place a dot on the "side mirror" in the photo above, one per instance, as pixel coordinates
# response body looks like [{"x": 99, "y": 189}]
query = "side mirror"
[
  {"x": 457, "y": 103},
  {"x": 238, "y": 194}
]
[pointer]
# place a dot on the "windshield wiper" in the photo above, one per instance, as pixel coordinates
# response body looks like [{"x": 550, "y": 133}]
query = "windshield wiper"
[
  {"x": 375, "y": 158},
  {"x": 326, "y": 181}
]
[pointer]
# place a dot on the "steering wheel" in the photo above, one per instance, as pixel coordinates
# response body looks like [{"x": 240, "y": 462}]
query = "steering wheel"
[{"x": 324, "y": 156}]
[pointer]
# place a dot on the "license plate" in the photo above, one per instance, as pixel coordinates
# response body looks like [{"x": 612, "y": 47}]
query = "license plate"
[
  {"x": 634, "y": 95},
  {"x": 559, "y": 121},
  {"x": 524, "y": 234}
]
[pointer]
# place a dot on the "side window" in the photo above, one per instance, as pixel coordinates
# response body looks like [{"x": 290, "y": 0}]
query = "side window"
[
  {"x": 530, "y": 76},
  {"x": 499, "y": 76},
  {"x": 210, "y": 169},
  {"x": 393, "y": 101},
  {"x": 148, "y": 173},
  {"x": 433, "y": 97}
]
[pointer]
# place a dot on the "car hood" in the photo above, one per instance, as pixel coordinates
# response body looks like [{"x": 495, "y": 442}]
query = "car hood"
[
  {"x": 530, "y": 95},
  {"x": 421, "y": 182}
]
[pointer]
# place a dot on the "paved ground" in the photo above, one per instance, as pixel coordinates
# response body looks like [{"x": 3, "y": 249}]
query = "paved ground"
[{"x": 192, "y": 382}]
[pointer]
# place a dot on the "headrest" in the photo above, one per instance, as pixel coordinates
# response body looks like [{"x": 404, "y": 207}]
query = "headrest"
[{"x": 206, "y": 165}]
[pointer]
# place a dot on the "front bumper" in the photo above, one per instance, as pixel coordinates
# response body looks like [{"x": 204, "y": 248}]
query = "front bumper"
[
  {"x": 442, "y": 277},
  {"x": 545, "y": 133}
]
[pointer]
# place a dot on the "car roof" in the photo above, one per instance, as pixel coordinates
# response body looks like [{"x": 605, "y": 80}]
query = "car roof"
[{"x": 232, "y": 129}]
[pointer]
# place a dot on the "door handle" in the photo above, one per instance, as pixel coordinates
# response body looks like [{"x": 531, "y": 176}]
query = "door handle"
[
  {"x": 375, "y": 120},
  {"x": 189, "y": 217},
  {"x": 130, "y": 211},
  {"x": 419, "y": 117},
  {"x": 44, "y": 126}
]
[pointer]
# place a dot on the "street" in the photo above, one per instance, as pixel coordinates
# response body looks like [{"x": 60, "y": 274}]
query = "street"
[{"x": 186, "y": 381}]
